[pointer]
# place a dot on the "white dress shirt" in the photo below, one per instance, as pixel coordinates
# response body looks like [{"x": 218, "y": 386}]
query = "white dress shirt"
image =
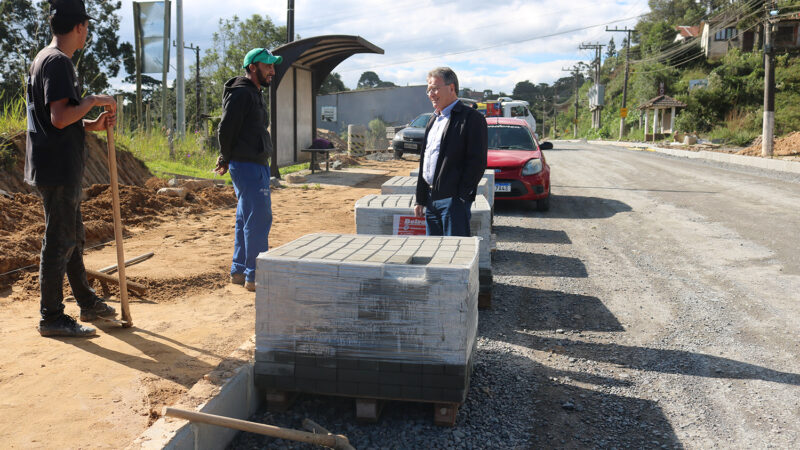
[{"x": 434, "y": 142}]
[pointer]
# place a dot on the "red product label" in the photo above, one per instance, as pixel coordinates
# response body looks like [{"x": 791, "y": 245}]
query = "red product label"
[{"x": 409, "y": 226}]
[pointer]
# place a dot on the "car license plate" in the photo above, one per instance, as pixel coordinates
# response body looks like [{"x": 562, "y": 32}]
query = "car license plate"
[
  {"x": 411, "y": 146},
  {"x": 502, "y": 187}
]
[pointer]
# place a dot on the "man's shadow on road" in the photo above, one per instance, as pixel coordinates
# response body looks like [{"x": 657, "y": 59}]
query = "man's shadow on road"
[
  {"x": 564, "y": 207},
  {"x": 163, "y": 360}
]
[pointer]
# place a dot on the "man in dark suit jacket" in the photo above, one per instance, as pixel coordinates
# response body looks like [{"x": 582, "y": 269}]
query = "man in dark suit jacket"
[{"x": 454, "y": 159}]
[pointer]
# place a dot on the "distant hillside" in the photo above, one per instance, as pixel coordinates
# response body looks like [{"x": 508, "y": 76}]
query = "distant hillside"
[{"x": 729, "y": 108}]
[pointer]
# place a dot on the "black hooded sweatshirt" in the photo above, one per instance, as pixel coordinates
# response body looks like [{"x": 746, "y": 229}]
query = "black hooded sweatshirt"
[{"x": 243, "y": 134}]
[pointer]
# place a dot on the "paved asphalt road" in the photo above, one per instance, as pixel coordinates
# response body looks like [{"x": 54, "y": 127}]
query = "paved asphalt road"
[
  {"x": 662, "y": 301},
  {"x": 656, "y": 305}
]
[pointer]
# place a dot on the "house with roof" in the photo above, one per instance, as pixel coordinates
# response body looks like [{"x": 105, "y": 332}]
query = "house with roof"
[
  {"x": 721, "y": 33},
  {"x": 686, "y": 33}
]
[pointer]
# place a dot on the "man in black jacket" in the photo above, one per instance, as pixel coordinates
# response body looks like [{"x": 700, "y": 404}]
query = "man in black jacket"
[
  {"x": 245, "y": 146},
  {"x": 454, "y": 159}
]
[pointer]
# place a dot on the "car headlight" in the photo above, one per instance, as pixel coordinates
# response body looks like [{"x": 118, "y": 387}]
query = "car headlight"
[
  {"x": 398, "y": 137},
  {"x": 532, "y": 167}
]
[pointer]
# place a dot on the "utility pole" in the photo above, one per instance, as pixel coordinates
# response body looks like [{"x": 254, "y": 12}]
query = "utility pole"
[
  {"x": 768, "y": 127},
  {"x": 197, "y": 83},
  {"x": 290, "y": 21},
  {"x": 180, "y": 101},
  {"x": 165, "y": 67},
  {"x": 544, "y": 114},
  {"x": 596, "y": 117},
  {"x": 625, "y": 85},
  {"x": 575, "y": 71},
  {"x": 554, "y": 131}
]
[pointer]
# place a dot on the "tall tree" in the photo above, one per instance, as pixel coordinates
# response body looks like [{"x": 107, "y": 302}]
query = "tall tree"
[
  {"x": 333, "y": 83},
  {"x": 525, "y": 90},
  {"x": 24, "y": 30},
  {"x": 22, "y": 34},
  {"x": 230, "y": 43},
  {"x": 611, "y": 49},
  {"x": 368, "y": 79}
]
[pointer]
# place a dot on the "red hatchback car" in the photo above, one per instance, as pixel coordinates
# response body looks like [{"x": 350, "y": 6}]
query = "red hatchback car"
[{"x": 520, "y": 169}]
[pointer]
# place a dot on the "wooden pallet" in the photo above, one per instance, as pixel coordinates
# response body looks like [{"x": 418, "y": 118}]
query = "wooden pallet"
[
  {"x": 485, "y": 289},
  {"x": 280, "y": 401},
  {"x": 368, "y": 409}
]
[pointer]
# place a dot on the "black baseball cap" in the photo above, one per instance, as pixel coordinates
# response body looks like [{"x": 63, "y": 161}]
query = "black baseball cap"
[{"x": 69, "y": 8}]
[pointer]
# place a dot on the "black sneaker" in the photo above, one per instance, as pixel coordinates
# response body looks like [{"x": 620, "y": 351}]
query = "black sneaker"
[
  {"x": 64, "y": 325},
  {"x": 100, "y": 309}
]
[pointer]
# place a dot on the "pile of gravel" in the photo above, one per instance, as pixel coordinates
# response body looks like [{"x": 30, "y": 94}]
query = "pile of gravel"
[{"x": 380, "y": 156}]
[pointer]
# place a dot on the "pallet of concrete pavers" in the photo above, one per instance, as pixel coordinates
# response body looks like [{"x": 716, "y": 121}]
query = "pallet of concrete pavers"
[
  {"x": 375, "y": 215},
  {"x": 408, "y": 185},
  {"x": 375, "y": 317},
  {"x": 488, "y": 175},
  {"x": 371, "y": 383}
]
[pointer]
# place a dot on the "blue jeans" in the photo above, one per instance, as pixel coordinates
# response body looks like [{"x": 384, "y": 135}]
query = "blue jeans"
[
  {"x": 448, "y": 217},
  {"x": 62, "y": 250},
  {"x": 253, "y": 215}
]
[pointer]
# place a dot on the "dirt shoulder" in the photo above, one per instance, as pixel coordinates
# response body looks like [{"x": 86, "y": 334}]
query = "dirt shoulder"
[{"x": 103, "y": 392}]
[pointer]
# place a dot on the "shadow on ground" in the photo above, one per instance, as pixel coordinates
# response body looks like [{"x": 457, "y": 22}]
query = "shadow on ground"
[
  {"x": 539, "y": 309},
  {"x": 159, "y": 358},
  {"x": 513, "y": 262},
  {"x": 530, "y": 235},
  {"x": 565, "y": 207},
  {"x": 659, "y": 360}
]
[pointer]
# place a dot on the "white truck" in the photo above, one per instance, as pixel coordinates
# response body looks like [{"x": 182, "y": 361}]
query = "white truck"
[{"x": 507, "y": 107}]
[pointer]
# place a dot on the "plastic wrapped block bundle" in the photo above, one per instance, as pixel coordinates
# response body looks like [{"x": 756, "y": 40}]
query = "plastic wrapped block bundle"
[
  {"x": 408, "y": 185},
  {"x": 368, "y": 316},
  {"x": 488, "y": 174},
  {"x": 375, "y": 215}
]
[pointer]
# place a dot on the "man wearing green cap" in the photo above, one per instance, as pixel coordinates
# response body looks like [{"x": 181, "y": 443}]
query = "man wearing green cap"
[{"x": 245, "y": 146}]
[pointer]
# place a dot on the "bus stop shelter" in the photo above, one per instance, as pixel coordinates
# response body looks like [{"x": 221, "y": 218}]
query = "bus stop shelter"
[
  {"x": 664, "y": 110},
  {"x": 294, "y": 88}
]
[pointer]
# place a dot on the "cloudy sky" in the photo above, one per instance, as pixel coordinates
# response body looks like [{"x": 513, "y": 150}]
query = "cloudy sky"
[{"x": 490, "y": 45}]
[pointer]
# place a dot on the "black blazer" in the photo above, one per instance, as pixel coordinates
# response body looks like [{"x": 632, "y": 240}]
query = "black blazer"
[{"x": 462, "y": 156}]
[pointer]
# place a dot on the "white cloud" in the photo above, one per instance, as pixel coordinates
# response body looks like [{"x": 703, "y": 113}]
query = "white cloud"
[{"x": 420, "y": 35}]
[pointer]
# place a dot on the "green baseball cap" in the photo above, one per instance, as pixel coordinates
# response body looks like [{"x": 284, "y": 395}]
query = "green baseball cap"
[{"x": 260, "y": 55}]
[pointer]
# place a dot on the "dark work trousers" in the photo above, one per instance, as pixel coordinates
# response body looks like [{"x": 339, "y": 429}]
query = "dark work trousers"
[
  {"x": 253, "y": 215},
  {"x": 448, "y": 216},
  {"x": 62, "y": 250}
]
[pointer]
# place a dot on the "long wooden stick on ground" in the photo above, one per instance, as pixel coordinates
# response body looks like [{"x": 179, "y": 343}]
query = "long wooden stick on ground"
[
  {"x": 113, "y": 268},
  {"x": 127, "y": 320},
  {"x": 335, "y": 441}
]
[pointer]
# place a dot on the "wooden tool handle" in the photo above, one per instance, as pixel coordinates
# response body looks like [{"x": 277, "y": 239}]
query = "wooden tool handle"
[
  {"x": 328, "y": 440},
  {"x": 123, "y": 285}
]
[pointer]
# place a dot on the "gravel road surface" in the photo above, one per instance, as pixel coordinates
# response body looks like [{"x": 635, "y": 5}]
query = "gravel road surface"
[{"x": 656, "y": 305}]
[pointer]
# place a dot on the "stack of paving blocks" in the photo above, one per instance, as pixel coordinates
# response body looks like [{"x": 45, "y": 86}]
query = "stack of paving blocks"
[
  {"x": 488, "y": 175},
  {"x": 408, "y": 185},
  {"x": 375, "y": 215},
  {"x": 390, "y": 317}
]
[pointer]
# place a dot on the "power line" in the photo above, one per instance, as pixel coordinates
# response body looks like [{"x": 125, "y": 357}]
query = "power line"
[
  {"x": 674, "y": 48},
  {"x": 559, "y": 33}
]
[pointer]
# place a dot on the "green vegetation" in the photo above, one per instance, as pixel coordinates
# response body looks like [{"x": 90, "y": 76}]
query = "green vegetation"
[
  {"x": 12, "y": 119},
  {"x": 376, "y": 134},
  {"x": 294, "y": 168},
  {"x": 191, "y": 158},
  {"x": 729, "y": 108}
]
